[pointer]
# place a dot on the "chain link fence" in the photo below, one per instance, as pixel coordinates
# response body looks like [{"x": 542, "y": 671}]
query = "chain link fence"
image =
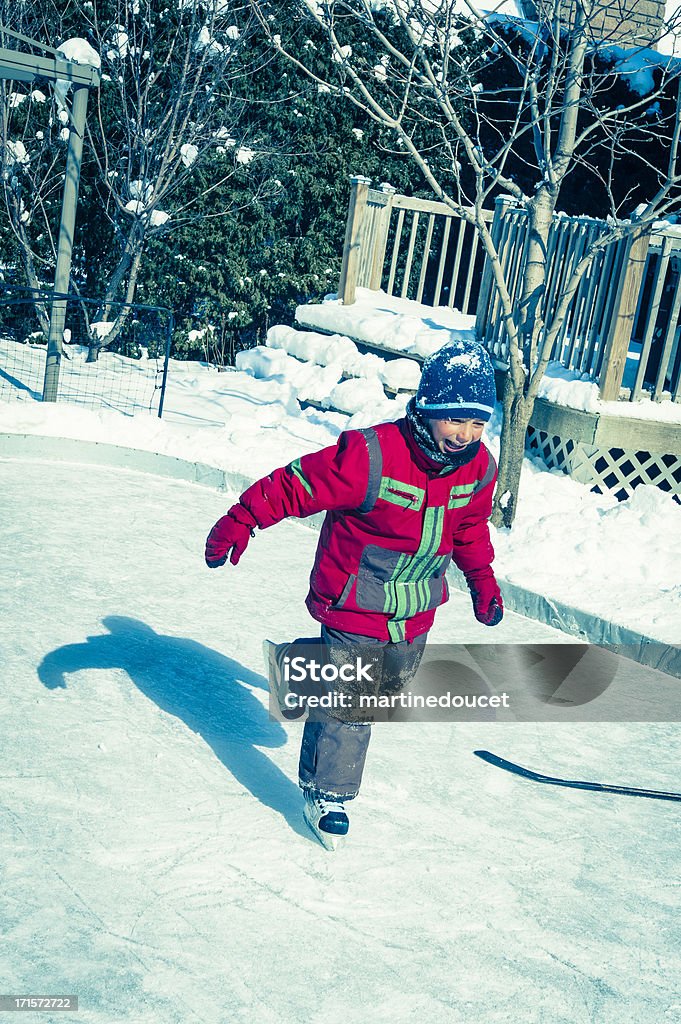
[{"x": 115, "y": 355}]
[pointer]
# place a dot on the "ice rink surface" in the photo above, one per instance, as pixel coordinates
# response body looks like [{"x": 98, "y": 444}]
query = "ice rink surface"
[{"x": 154, "y": 861}]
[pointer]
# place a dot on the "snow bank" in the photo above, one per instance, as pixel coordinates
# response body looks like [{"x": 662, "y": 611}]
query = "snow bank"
[
  {"x": 101, "y": 328},
  {"x": 308, "y": 382},
  {"x": 619, "y": 560},
  {"x": 362, "y": 398},
  {"x": 396, "y": 374}
]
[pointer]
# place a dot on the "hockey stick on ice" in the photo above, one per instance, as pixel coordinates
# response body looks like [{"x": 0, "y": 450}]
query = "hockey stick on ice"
[{"x": 596, "y": 787}]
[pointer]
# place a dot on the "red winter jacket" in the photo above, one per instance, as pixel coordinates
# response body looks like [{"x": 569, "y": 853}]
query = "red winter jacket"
[{"x": 394, "y": 520}]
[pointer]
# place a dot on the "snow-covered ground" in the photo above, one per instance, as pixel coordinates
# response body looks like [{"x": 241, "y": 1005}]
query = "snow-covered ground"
[{"x": 154, "y": 861}]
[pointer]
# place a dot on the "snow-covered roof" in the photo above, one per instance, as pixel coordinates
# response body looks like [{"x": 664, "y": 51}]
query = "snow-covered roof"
[{"x": 635, "y": 64}]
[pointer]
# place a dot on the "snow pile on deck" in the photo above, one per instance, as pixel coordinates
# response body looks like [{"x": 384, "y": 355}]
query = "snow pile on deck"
[{"x": 386, "y": 320}]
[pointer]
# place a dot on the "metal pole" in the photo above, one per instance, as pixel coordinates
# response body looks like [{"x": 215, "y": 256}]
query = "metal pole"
[
  {"x": 62, "y": 274},
  {"x": 169, "y": 336}
]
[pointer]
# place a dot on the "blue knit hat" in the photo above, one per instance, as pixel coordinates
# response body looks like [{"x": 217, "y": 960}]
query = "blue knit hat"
[{"x": 457, "y": 383}]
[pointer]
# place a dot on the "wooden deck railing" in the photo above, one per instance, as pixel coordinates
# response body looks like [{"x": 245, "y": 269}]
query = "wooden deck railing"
[
  {"x": 627, "y": 305},
  {"x": 656, "y": 322},
  {"x": 626, "y": 309},
  {"x": 593, "y": 326},
  {"x": 415, "y": 248}
]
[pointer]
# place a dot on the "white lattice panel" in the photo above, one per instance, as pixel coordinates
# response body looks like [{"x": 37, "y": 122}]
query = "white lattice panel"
[{"x": 607, "y": 469}]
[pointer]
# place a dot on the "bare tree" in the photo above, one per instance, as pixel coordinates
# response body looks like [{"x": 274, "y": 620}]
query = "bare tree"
[
  {"x": 167, "y": 110},
  {"x": 553, "y": 112}
]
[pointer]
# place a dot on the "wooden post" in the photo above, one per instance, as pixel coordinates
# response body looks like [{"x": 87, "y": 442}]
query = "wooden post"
[
  {"x": 501, "y": 207},
  {"x": 381, "y": 238},
  {"x": 356, "y": 209},
  {"x": 624, "y": 310},
  {"x": 62, "y": 273}
]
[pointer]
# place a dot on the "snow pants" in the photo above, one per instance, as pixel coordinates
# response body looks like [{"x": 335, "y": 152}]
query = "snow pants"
[{"x": 333, "y": 750}]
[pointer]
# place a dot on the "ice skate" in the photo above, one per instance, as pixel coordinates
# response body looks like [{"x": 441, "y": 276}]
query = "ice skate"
[
  {"x": 327, "y": 819},
  {"x": 277, "y": 683}
]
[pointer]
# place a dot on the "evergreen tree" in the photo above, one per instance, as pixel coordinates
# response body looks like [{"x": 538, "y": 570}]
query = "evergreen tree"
[{"x": 242, "y": 272}]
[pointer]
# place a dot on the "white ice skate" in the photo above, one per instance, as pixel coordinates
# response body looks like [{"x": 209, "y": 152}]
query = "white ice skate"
[{"x": 327, "y": 819}]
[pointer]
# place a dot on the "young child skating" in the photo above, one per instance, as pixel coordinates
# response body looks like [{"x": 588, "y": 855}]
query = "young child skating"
[{"x": 402, "y": 499}]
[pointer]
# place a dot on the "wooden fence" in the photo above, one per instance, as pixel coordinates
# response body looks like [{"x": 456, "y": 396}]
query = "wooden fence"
[{"x": 622, "y": 326}]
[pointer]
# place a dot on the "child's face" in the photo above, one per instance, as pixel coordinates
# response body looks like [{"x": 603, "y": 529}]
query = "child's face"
[{"x": 455, "y": 435}]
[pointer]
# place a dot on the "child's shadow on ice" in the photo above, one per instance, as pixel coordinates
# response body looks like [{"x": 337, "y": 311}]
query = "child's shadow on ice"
[{"x": 205, "y": 689}]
